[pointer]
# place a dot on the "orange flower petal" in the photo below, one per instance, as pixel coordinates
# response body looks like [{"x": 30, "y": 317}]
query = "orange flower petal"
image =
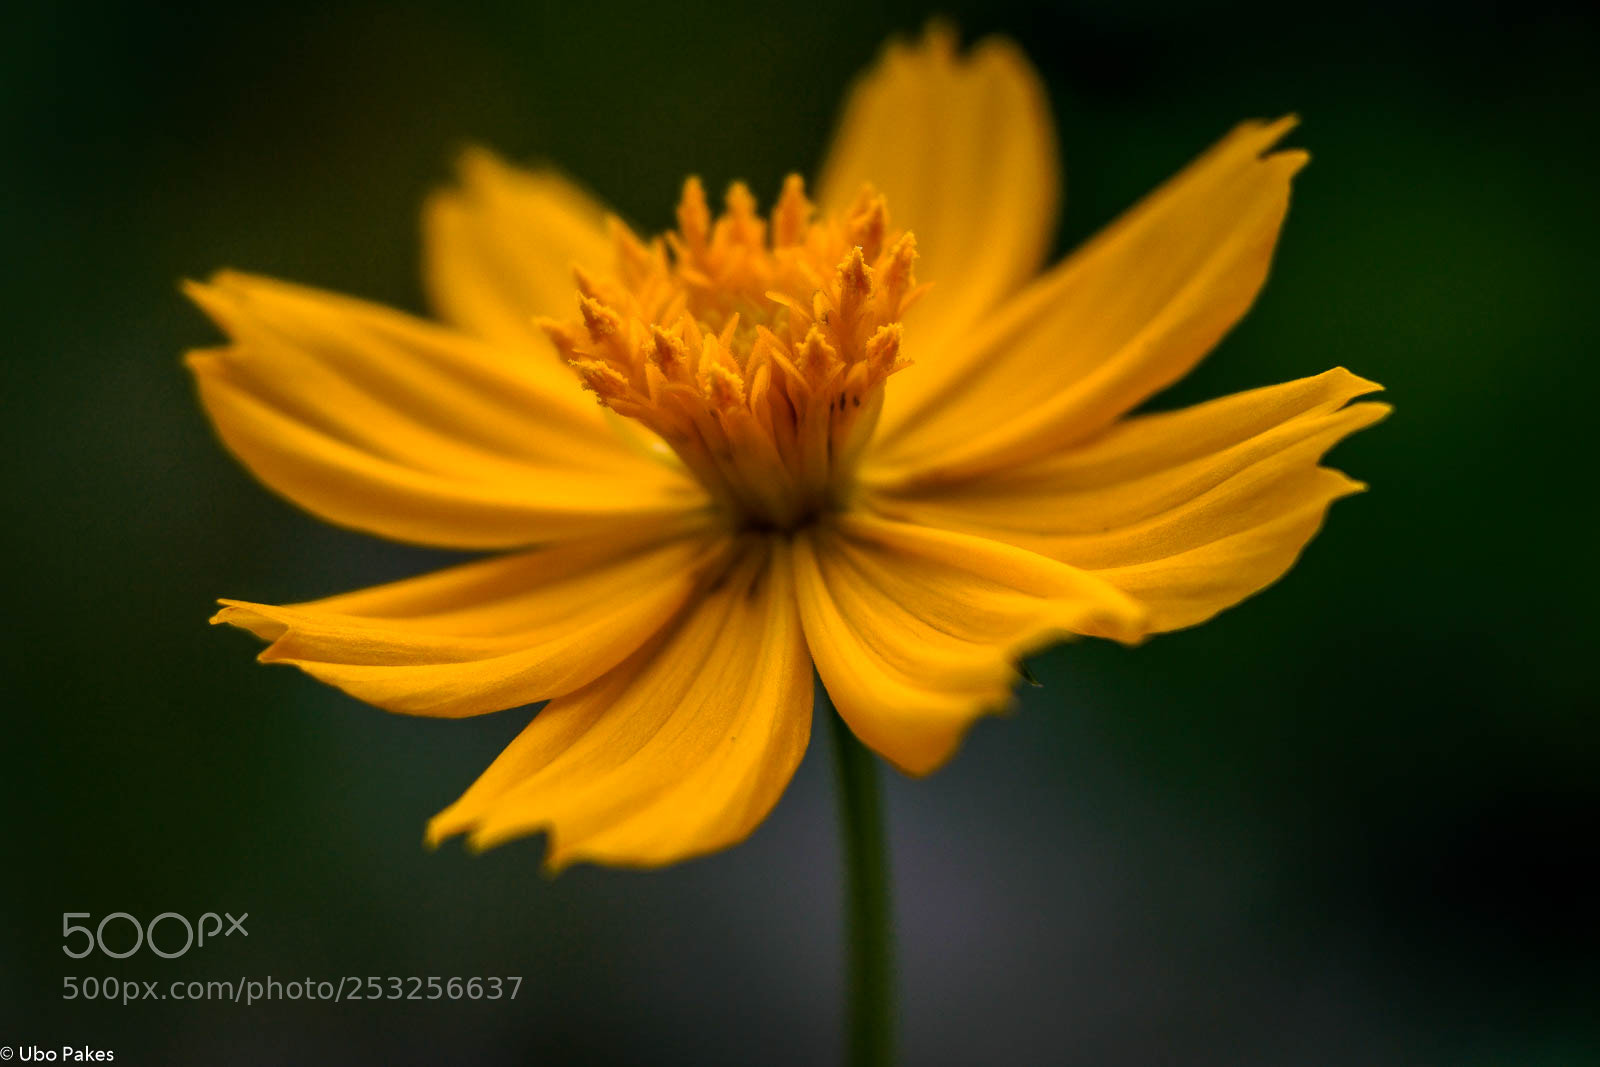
[
  {"x": 964, "y": 148},
  {"x": 1129, "y": 313},
  {"x": 375, "y": 420},
  {"x": 1188, "y": 511},
  {"x": 680, "y": 751},
  {"x": 489, "y": 635},
  {"x": 916, "y": 632},
  {"x": 499, "y": 249}
]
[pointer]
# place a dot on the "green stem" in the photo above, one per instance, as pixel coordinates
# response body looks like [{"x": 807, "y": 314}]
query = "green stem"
[{"x": 869, "y": 925}]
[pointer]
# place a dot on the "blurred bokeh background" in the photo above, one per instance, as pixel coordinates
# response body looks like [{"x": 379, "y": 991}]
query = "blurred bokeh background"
[{"x": 1353, "y": 821}]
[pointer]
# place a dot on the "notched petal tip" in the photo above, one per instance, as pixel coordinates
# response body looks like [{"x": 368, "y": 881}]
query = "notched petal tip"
[
  {"x": 190, "y": 287},
  {"x": 1379, "y": 412},
  {"x": 203, "y": 361},
  {"x": 1263, "y": 133},
  {"x": 234, "y": 299},
  {"x": 1275, "y": 129},
  {"x": 439, "y": 829},
  {"x": 473, "y": 159},
  {"x": 1259, "y": 140},
  {"x": 1352, "y": 383},
  {"x": 209, "y": 297},
  {"x": 477, "y": 168},
  {"x": 1291, "y": 158},
  {"x": 244, "y": 616},
  {"x": 482, "y": 174},
  {"x": 476, "y": 842}
]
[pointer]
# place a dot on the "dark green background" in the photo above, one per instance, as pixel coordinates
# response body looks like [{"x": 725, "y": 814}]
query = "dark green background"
[{"x": 1353, "y": 821}]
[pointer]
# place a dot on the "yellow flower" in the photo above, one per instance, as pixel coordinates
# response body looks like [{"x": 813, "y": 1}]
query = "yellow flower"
[{"x": 802, "y": 455}]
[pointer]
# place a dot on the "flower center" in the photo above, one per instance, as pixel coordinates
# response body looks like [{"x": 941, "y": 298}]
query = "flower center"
[{"x": 756, "y": 348}]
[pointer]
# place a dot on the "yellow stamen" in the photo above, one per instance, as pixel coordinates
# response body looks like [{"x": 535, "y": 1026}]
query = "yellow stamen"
[
  {"x": 756, "y": 348},
  {"x": 792, "y": 215}
]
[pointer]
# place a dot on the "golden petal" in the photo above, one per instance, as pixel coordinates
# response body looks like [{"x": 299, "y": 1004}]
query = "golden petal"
[
  {"x": 1189, "y": 512},
  {"x": 379, "y": 421},
  {"x": 488, "y": 635},
  {"x": 1129, "y": 313},
  {"x": 964, "y": 149},
  {"x": 681, "y": 750},
  {"x": 499, "y": 249},
  {"x": 916, "y": 632}
]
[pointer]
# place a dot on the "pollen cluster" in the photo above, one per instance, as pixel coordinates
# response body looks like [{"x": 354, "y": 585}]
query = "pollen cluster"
[{"x": 757, "y": 348}]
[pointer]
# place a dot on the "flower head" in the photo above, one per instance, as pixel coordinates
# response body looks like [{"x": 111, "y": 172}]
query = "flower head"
[{"x": 802, "y": 456}]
